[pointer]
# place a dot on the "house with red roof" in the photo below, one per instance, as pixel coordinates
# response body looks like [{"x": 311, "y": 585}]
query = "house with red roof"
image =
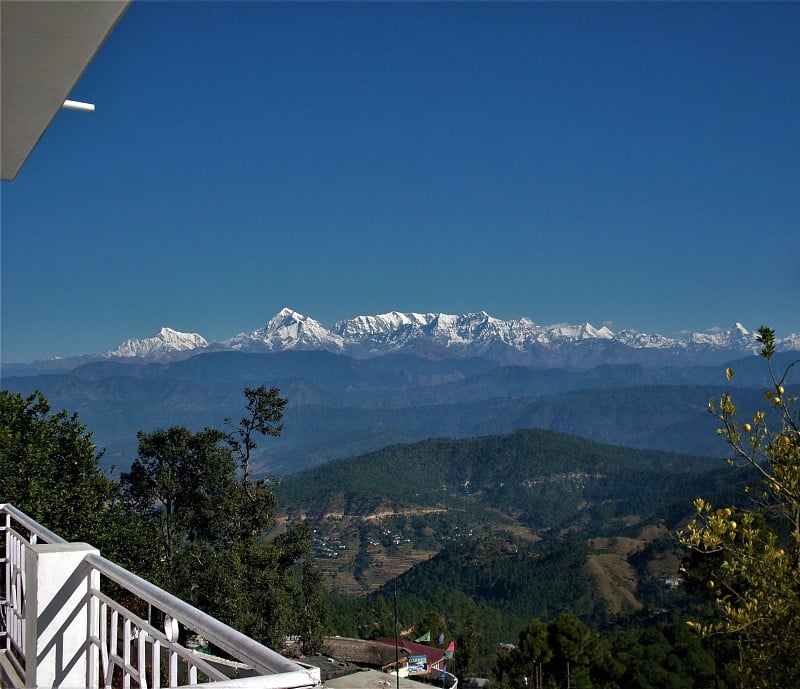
[{"x": 434, "y": 657}]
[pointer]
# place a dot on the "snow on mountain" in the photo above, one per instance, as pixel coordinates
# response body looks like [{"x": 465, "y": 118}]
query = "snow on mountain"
[
  {"x": 362, "y": 327},
  {"x": 638, "y": 340},
  {"x": 791, "y": 343},
  {"x": 288, "y": 329},
  {"x": 467, "y": 329},
  {"x": 518, "y": 341},
  {"x": 388, "y": 332},
  {"x": 575, "y": 333},
  {"x": 512, "y": 341},
  {"x": 736, "y": 337},
  {"x": 165, "y": 341}
]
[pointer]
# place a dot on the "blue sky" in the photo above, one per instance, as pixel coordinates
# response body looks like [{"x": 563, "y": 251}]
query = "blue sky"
[{"x": 634, "y": 165}]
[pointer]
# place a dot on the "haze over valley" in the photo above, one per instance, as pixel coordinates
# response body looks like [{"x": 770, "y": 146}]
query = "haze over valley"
[{"x": 376, "y": 380}]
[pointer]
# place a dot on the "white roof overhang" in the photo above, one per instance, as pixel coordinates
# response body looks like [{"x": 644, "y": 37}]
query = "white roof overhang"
[{"x": 46, "y": 46}]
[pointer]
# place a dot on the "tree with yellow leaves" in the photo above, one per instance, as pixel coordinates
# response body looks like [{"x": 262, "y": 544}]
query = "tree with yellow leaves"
[{"x": 756, "y": 576}]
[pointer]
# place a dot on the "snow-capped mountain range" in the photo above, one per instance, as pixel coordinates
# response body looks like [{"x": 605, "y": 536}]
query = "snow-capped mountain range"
[
  {"x": 442, "y": 335},
  {"x": 165, "y": 341}
]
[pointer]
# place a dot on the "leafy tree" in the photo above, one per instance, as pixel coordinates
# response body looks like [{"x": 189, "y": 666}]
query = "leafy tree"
[
  {"x": 467, "y": 646},
  {"x": 563, "y": 652},
  {"x": 181, "y": 482},
  {"x": 49, "y": 469},
  {"x": 666, "y": 656},
  {"x": 196, "y": 488},
  {"x": 264, "y": 414},
  {"x": 256, "y": 586},
  {"x": 432, "y": 623},
  {"x": 756, "y": 574},
  {"x": 255, "y": 509},
  {"x": 313, "y": 612},
  {"x": 523, "y": 666}
]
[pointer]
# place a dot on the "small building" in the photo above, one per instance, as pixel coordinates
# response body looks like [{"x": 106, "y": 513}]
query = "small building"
[
  {"x": 434, "y": 657},
  {"x": 374, "y": 655}
]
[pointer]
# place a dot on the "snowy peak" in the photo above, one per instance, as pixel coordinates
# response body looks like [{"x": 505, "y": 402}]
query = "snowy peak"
[
  {"x": 471, "y": 334},
  {"x": 165, "y": 341},
  {"x": 289, "y": 329},
  {"x": 737, "y": 336},
  {"x": 287, "y": 317},
  {"x": 364, "y": 326},
  {"x": 519, "y": 341},
  {"x": 586, "y": 331}
]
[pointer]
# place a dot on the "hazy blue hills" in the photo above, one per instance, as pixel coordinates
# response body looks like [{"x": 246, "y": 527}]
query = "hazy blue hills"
[{"x": 340, "y": 406}]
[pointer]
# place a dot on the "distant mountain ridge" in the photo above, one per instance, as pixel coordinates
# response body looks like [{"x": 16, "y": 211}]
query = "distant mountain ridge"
[
  {"x": 439, "y": 336},
  {"x": 166, "y": 341}
]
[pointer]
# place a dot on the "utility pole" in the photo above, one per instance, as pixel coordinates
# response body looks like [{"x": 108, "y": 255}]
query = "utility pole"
[{"x": 396, "y": 642}]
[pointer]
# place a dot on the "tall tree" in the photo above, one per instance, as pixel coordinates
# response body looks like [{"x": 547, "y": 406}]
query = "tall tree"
[
  {"x": 666, "y": 656},
  {"x": 523, "y": 666},
  {"x": 432, "y": 624},
  {"x": 264, "y": 416},
  {"x": 49, "y": 469},
  {"x": 467, "y": 646},
  {"x": 182, "y": 483},
  {"x": 213, "y": 518},
  {"x": 256, "y": 506},
  {"x": 49, "y": 466},
  {"x": 562, "y": 652},
  {"x": 755, "y": 552},
  {"x": 314, "y": 611}
]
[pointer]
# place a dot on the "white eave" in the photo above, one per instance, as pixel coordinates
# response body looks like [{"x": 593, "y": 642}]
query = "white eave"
[{"x": 46, "y": 46}]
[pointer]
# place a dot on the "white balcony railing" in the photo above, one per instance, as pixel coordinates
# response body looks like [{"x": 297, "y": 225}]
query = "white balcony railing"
[{"x": 58, "y": 629}]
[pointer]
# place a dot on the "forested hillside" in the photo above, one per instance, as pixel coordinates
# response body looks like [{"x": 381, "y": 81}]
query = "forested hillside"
[
  {"x": 379, "y": 514},
  {"x": 478, "y": 537}
]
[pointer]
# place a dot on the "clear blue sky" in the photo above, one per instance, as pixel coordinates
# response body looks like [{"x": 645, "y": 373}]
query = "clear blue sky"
[{"x": 636, "y": 165}]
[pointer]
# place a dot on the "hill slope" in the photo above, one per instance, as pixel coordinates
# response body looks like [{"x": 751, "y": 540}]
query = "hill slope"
[{"x": 378, "y": 514}]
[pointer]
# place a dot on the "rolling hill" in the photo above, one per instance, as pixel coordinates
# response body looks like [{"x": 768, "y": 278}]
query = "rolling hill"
[{"x": 340, "y": 406}]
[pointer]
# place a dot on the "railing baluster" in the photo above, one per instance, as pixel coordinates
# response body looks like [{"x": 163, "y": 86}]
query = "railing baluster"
[
  {"x": 7, "y": 540},
  {"x": 18, "y": 593},
  {"x": 126, "y": 652},
  {"x": 173, "y": 668},
  {"x": 156, "y": 660},
  {"x": 111, "y": 628},
  {"x": 104, "y": 659},
  {"x": 142, "y": 660},
  {"x": 113, "y": 646},
  {"x": 94, "y": 629},
  {"x": 171, "y": 630}
]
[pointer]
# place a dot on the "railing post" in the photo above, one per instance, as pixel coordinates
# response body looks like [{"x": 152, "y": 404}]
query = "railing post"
[
  {"x": 57, "y": 617},
  {"x": 94, "y": 630},
  {"x": 7, "y": 578}
]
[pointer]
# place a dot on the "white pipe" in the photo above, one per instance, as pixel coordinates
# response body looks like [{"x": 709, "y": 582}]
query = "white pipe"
[{"x": 77, "y": 105}]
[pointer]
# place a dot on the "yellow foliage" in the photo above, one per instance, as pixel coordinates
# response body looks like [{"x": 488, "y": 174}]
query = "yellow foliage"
[{"x": 757, "y": 583}]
